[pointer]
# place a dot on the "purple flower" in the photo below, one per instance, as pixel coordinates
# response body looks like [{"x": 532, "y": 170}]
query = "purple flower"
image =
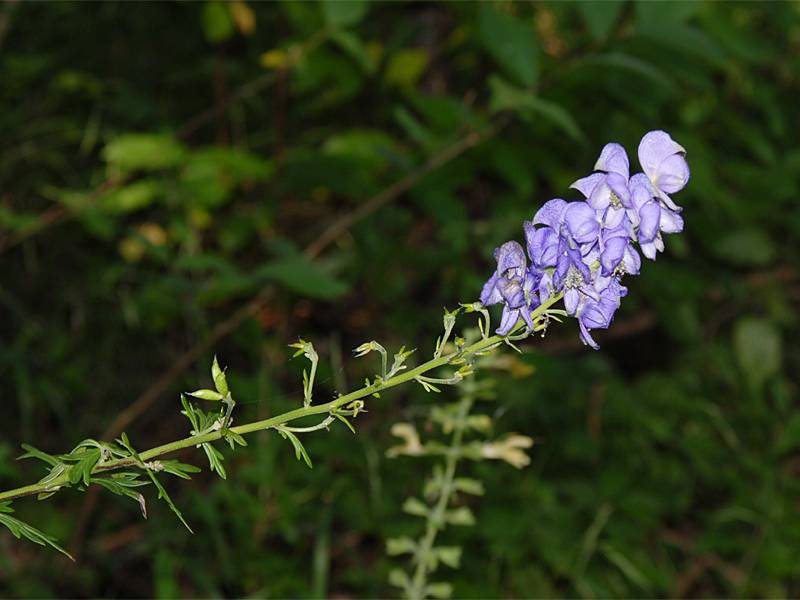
[
  {"x": 662, "y": 160},
  {"x": 607, "y": 192},
  {"x": 551, "y": 214},
  {"x": 543, "y": 244},
  {"x": 583, "y": 249},
  {"x": 574, "y": 277},
  {"x": 598, "y": 312},
  {"x": 651, "y": 218},
  {"x": 573, "y": 220},
  {"x": 581, "y": 223},
  {"x": 618, "y": 257},
  {"x": 513, "y": 284}
]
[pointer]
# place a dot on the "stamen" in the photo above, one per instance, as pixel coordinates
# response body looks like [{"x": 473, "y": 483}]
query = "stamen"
[{"x": 574, "y": 278}]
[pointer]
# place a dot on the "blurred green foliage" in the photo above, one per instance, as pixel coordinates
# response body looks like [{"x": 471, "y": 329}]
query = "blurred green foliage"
[{"x": 160, "y": 164}]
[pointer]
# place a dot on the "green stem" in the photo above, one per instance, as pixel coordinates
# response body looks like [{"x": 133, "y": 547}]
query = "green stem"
[
  {"x": 212, "y": 436},
  {"x": 436, "y": 519}
]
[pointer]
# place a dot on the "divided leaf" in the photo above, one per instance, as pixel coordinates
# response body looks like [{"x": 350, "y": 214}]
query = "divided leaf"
[{"x": 20, "y": 529}]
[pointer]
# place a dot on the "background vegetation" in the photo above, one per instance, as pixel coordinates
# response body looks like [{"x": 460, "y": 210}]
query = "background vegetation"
[{"x": 179, "y": 179}]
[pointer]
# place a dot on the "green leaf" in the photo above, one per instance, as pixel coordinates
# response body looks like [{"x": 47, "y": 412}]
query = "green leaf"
[
  {"x": 460, "y": 516},
  {"x": 234, "y": 438},
  {"x": 439, "y": 590},
  {"x": 449, "y": 555},
  {"x": 131, "y": 198},
  {"x": 401, "y": 545},
  {"x": 758, "y": 346},
  {"x": 121, "y": 484},
  {"x": 32, "y": 452},
  {"x": 344, "y": 13},
  {"x": 746, "y": 247},
  {"x": 20, "y": 529},
  {"x": 510, "y": 42},
  {"x": 215, "y": 459},
  {"x": 600, "y": 16},
  {"x": 82, "y": 470},
  {"x": 179, "y": 469},
  {"x": 505, "y": 96},
  {"x": 406, "y": 66},
  {"x": 627, "y": 568},
  {"x": 299, "y": 449},
  {"x": 218, "y": 23},
  {"x": 353, "y": 46},
  {"x": 664, "y": 13},
  {"x": 675, "y": 35},
  {"x": 147, "y": 152},
  {"x": 630, "y": 64},
  {"x": 162, "y": 493},
  {"x": 303, "y": 277},
  {"x": 468, "y": 486},
  {"x": 345, "y": 421},
  {"x": 399, "y": 578},
  {"x": 416, "y": 507},
  {"x": 789, "y": 438}
]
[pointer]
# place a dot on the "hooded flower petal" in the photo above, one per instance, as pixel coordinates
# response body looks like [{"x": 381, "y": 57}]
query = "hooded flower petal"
[
  {"x": 649, "y": 249},
  {"x": 508, "y": 320},
  {"x": 673, "y": 174},
  {"x": 587, "y": 185},
  {"x": 670, "y": 221},
  {"x": 613, "y": 253},
  {"x": 654, "y": 148},
  {"x": 551, "y": 213},
  {"x": 631, "y": 261},
  {"x": 542, "y": 245},
  {"x": 512, "y": 292},
  {"x": 571, "y": 298},
  {"x": 663, "y": 161},
  {"x": 510, "y": 257},
  {"x": 581, "y": 222},
  {"x": 613, "y": 159},
  {"x": 649, "y": 218},
  {"x": 490, "y": 294}
]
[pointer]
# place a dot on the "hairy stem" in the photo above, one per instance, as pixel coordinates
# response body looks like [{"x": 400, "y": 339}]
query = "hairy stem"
[{"x": 276, "y": 421}]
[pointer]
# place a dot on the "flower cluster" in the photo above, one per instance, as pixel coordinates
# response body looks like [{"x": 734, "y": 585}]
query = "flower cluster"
[{"x": 583, "y": 249}]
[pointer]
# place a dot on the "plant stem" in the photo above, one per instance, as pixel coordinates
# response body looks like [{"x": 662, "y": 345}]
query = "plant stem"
[
  {"x": 479, "y": 346},
  {"x": 436, "y": 519}
]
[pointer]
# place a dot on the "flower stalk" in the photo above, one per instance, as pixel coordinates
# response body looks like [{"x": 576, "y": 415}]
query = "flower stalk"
[{"x": 483, "y": 345}]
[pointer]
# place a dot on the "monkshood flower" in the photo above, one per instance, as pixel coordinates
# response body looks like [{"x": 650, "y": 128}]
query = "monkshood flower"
[
  {"x": 651, "y": 217},
  {"x": 616, "y": 252},
  {"x": 662, "y": 160},
  {"x": 607, "y": 191},
  {"x": 574, "y": 277},
  {"x": 574, "y": 222},
  {"x": 513, "y": 284},
  {"x": 597, "y": 312},
  {"x": 582, "y": 250}
]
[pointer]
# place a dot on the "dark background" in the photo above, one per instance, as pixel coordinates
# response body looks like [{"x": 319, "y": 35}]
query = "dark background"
[{"x": 160, "y": 163}]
